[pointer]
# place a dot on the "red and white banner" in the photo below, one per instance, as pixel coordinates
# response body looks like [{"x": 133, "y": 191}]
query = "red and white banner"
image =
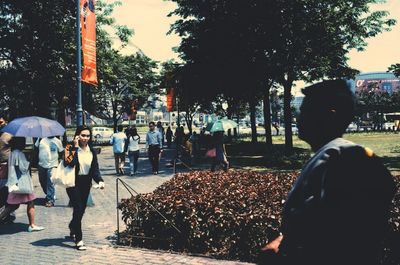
[{"x": 88, "y": 29}]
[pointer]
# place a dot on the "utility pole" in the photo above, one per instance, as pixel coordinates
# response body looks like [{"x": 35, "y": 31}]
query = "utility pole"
[{"x": 79, "y": 110}]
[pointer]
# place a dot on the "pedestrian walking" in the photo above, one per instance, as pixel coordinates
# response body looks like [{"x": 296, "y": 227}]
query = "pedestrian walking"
[
  {"x": 5, "y": 139},
  {"x": 179, "y": 134},
  {"x": 154, "y": 147},
  {"x": 220, "y": 151},
  {"x": 50, "y": 149},
  {"x": 194, "y": 147},
  {"x": 160, "y": 129},
  {"x": 118, "y": 141},
  {"x": 18, "y": 170},
  {"x": 133, "y": 150},
  {"x": 168, "y": 135},
  {"x": 83, "y": 157},
  {"x": 337, "y": 211}
]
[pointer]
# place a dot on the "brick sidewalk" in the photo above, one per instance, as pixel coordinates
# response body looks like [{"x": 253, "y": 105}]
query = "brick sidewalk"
[{"x": 50, "y": 246}]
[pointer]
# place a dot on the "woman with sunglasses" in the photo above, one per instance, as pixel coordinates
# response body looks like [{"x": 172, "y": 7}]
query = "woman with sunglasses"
[{"x": 84, "y": 158}]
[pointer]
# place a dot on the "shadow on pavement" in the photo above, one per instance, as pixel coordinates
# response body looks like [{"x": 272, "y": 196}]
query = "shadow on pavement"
[
  {"x": 13, "y": 228},
  {"x": 49, "y": 242},
  {"x": 40, "y": 201}
]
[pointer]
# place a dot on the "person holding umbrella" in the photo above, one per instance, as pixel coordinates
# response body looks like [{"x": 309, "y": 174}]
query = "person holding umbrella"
[
  {"x": 84, "y": 158},
  {"x": 18, "y": 166},
  {"x": 19, "y": 181},
  {"x": 218, "y": 128},
  {"x": 220, "y": 151}
]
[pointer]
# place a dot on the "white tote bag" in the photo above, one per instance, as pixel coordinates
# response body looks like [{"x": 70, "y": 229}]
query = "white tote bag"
[{"x": 64, "y": 176}]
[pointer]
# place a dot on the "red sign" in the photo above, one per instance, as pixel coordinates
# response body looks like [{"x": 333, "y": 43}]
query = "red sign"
[
  {"x": 170, "y": 99},
  {"x": 88, "y": 29}
]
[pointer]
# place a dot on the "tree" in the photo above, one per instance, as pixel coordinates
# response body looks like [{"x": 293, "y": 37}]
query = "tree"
[
  {"x": 374, "y": 102},
  {"x": 219, "y": 41},
  {"x": 395, "y": 68},
  {"x": 36, "y": 55},
  {"x": 312, "y": 38},
  {"x": 184, "y": 80},
  {"x": 122, "y": 80},
  {"x": 250, "y": 43}
]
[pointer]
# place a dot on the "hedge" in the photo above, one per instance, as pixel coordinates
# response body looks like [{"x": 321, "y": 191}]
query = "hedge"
[{"x": 223, "y": 215}]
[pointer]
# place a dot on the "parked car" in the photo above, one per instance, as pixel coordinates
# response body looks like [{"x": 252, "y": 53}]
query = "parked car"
[
  {"x": 101, "y": 133},
  {"x": 295, "y": 130},
  {"x": 389, "y": 126},
  {"x": 352, "y": 127}
]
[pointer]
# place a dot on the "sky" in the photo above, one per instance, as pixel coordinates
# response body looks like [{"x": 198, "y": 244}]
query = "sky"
[{"x": 149, "y": 20}]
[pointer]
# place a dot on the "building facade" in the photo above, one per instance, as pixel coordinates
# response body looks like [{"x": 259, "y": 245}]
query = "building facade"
[{"x": 377, "y": 81}]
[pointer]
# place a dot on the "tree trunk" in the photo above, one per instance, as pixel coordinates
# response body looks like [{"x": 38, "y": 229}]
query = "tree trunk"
[
  {"x": 114, "y": 117},
  {"x": 253, "y": 121},
  {"x": 288, "y": 117},
  {"x": 267, "y": 118},
  {"x": 189, "y": 122}
]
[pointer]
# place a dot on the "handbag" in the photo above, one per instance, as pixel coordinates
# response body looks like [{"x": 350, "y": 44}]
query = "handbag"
[
  {"x": 24, "y": 184},
  {"x": 211, "y": 153},
  {"x": 63, "y": 176}
]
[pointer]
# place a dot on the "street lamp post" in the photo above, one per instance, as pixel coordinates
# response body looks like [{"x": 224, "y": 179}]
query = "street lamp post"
[{"x": 79, "y": 110}]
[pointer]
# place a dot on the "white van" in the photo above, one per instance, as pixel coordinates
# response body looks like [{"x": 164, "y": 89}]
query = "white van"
[{"x": 100, "y": 133}]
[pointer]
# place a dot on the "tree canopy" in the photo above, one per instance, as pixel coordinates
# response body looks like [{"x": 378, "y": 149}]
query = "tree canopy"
[
  {"x": 240, "y": 48},
  {"x": 38, "y": 60}
]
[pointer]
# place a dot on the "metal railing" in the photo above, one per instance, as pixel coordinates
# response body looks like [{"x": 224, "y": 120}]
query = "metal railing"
[{"x": 132, "y": 192}]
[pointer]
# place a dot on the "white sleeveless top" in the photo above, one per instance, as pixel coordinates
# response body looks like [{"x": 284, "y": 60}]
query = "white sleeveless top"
[{"x": 133, "y": 143}]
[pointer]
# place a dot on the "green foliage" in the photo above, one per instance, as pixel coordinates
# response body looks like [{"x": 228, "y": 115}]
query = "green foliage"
[
  {"x": 123, "y": 79},
  {"x": 37, "y": 56},
  {"x": 238, "y": 47},
  {"x": 38, "y": 61},
  {"x": 395, "y": 68},
  {"x": 375, "y": 102}
]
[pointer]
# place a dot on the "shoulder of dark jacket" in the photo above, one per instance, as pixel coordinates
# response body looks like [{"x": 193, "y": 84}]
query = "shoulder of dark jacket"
[{"x": 360, "y": 166}]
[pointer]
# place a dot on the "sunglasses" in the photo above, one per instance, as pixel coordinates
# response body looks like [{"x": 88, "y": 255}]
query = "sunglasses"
[{"x": 85, "y": 135}]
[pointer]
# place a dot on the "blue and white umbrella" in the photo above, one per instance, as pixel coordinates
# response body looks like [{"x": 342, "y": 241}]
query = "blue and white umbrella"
[
  {"x": 34, "y": 126},
  {"x": 221, "y": 125}
]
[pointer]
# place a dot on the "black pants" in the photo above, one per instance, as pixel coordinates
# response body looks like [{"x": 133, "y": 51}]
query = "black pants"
[
  {"x": 79, "y": 196},
  {"x": 154, "y": 156},
  {"x": 216, "y": 162}
]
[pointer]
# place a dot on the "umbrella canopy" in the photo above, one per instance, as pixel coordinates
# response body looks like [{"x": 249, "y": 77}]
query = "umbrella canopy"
[
  {"x": 221, "y": 125},
  {"x": 34, "y": 126}
]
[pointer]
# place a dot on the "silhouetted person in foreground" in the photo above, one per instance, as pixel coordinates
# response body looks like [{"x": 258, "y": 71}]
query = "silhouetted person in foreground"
[{"x": 337, "y": 211}]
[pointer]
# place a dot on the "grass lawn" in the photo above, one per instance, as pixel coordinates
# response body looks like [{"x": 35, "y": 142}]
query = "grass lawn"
[{"x": 244, "y": 154}]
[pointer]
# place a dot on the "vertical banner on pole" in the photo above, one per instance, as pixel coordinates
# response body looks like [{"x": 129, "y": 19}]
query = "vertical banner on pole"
[
  {"x": 88, "y": 28},
  {"x": 170, "y": 99}
]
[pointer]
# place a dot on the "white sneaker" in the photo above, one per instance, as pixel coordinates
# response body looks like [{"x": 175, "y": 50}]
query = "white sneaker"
[
  {"x": 80, "y": 246},
  {"x": 35, "y": 228}
]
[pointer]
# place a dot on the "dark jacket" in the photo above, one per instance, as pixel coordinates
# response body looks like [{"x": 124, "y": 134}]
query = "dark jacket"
[
  {"x": 337, "y": 211},
  {"x": 71, "y": 160}
]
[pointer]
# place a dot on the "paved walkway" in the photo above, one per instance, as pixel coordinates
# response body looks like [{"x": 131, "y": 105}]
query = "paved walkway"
[{"x": 50, "y": 246}]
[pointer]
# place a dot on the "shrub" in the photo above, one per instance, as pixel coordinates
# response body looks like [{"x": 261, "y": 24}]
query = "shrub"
[{"x": 224, "y": 215}]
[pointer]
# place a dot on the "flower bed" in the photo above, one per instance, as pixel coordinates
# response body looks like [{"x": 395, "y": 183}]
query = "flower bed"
[{"x": 224, "y": 215}]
